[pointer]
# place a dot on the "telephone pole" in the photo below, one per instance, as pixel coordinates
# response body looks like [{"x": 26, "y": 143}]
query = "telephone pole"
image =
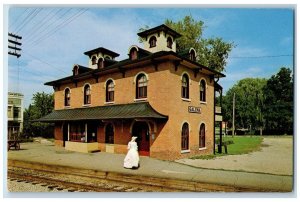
[
  {"x": 233, "y": 114},
  {"x": 13, "y": 45}
]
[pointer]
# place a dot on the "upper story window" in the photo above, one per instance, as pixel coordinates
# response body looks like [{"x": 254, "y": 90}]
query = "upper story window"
[
  {"x": 185, "y": 136},
  {"x": 152, "y": 41},
  {"x": 192, "y": 55},
  {"x": 67, "y": 97},
  {"x": 133, "y": 54},
  {"x": 202, "y": 91},
  {"x": 100, "y": 63},
  {"x": 94, "y": 60},
  {"x": 75, "y": 70},
  {"x": 110, "y": 89},
  {"x": 87, "y": 94},
  {"x": 202, "y": 136},
  {"x": 185, "y": 86},
  {"x": 169, "y": 42},
  {"x": 141, "y": 86}
]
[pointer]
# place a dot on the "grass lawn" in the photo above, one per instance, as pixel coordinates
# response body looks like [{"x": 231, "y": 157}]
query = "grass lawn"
[{"x": 241, "y": 145}]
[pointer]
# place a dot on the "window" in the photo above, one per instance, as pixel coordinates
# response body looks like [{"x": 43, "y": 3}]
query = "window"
[
  {"x": 109, "y": 134},
  {"x": 75, "y": 70},
  {"x": 202, "y": 136},
  {"x": 110, "y": 88},
  {"x": 152, "y": 41},
  {"x": 141, "y": 86},
  {"x": 192, "y": 55},
  {"x": 202, "y": 91},
  {"x": 94, "y": 60},
  {"x": 169, "y": 42},
  {"x": 185, "y": 137},
  {"x": 100, "y": 63},
  {"x": 87, "y": 94},
  {"x": 67, "y": 97},
  {"x": 185, "y": 86},
  {"x": 133, "y": 54}
]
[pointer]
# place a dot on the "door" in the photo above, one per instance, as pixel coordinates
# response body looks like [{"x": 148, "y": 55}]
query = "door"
[{"x": 141, "y": 131}]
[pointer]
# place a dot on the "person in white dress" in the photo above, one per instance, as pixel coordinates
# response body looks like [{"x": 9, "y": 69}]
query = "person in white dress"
[{"x": 132, "y": 158}]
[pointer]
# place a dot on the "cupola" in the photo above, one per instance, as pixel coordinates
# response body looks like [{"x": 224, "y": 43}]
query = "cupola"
[
  {"x": 101, "y": 57},
  {"x": 160, "y": 38}
]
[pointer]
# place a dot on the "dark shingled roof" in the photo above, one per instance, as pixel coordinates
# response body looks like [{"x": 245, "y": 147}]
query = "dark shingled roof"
[
  {"x": 162, "y": 27},
  {"x": 120, "y": 111},
  {"x": 103, "y": 50}
]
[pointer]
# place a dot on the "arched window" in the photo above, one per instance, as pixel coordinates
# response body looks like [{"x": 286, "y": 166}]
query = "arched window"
[
  {"x": 133, "y": 54},
  {"x": 67, "y": 97},
  {"x": 110, "y": 89},
  {"x": 100, "y": 63},
  {"x": 185, "y": 136},
  {"x": 185, "y": 86},
  {"x": 169, "y": 42},
  {"x": 87, "y": 94},
  {"x": 109, "y": 134},
  {"x": 152, "y": 41},
  {"x": 94, "y": 59},
  {"x": 141, "y": 86},
  {"x": 192, "y": 55},
  {"x": 202, "y": 91},
  {"x": 202, "y": 136}
]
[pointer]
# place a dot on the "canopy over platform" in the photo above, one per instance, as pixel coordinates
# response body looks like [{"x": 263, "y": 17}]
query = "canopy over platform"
[{"x": 121, "y": 111}]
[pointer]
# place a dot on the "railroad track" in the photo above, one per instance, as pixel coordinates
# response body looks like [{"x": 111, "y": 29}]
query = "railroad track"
[{"x": 76, "y": 183}]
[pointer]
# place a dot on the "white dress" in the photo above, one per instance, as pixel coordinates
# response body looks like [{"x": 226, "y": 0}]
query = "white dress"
[{"x": 132, "y": 158}]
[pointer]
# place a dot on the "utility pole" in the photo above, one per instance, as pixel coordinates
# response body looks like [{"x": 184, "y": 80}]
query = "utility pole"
[
  {"x": 13, "y": 45},
  {"x": 233, "y": 114}
]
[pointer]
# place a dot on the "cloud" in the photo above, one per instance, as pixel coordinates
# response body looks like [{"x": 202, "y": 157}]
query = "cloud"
[{"x": 53, "y": 57}]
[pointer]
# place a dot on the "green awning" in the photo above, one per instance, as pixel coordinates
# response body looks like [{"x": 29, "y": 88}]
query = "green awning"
[{"x": 120, "y": 111}]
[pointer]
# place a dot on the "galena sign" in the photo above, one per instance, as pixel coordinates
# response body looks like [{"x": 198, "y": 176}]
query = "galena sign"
[{"x": 192, "y": 109}]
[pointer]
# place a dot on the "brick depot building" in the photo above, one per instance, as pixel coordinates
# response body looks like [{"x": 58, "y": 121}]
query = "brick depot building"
[{"x": 163, "y": 97}]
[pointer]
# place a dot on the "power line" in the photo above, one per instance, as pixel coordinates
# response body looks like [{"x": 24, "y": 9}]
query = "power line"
[
  {"x": 36, "y": 26},
  {"x": 58, "y": 27},
  {"x": 17, "y": 19},
  {"x": 49, "y": 25},
  {"x": 45, "y": 62},
  {"x": 263, "y": 56},
  {"x": 32, "y": 16}
]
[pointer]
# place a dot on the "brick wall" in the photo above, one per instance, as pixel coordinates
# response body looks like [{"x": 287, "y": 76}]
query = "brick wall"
[{"x": 164, "y": 95}]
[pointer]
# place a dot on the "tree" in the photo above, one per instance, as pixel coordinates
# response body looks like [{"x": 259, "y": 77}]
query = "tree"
[
  {"x": 278, "y": 110},
  {"x": 42, "y": 105},
  {"x": 211, "y": 52},
  {"x": 248, "y": 103}
]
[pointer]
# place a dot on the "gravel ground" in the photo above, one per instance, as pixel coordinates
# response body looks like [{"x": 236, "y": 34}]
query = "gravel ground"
[
  {"x": 275, "y": 157},
  {"x": 15, "y": 186}
]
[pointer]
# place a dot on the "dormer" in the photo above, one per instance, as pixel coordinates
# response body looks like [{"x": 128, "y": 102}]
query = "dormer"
[
  {"x": 136, "y": 52},
  {"x": 160, "y": 38},
  {"x": 78, "y": 69},
  {"x": 101, "y": 57},
  {"x": 190, "y": 54}
]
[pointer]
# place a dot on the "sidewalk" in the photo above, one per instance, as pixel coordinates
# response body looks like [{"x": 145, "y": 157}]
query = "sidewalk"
[{"x": 52, "y": 155}]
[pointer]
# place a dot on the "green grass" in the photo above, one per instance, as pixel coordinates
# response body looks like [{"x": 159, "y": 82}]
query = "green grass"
[{"x": 241, "y": 145}]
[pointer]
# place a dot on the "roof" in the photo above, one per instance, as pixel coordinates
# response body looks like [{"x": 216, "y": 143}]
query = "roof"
[
  {"x": 121, "y": 111},
  {"x": 103, "y": 50},
  {"x": 162, "y": 27},
  {"x": 126, "y": 62},
  {"x": 83, "y": 69}
]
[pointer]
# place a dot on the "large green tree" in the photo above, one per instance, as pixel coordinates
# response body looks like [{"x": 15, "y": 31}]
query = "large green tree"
[
  {"x": 211, "y": 52},
  {"x": 278, "y": 110},
  {"x": 42, "y": 105},
  {"x": 249, "y": 103}
]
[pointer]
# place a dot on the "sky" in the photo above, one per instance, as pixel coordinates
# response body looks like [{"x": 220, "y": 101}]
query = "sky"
[{"x": 55, "y": 38}]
